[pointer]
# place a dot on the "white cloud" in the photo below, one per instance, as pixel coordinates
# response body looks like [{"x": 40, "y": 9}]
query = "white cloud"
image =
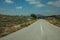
[
  {"x": 9, "y": 1},
  {"x": 28, "y": 0},
  {"x": 35, "y": 2},
  {"x": 19, "y": 7},
  {"x": 55, "y": 3},
  {"x": 50, "y": 2},
  {"x": 40, "y": 5}
]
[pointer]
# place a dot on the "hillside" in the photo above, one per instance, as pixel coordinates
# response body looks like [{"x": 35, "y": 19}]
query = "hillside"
[
  {"x": 9, "y": 24},
  {"x": 54, "y": 19}
]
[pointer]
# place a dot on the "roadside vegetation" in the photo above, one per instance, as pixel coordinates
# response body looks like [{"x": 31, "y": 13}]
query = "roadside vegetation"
[
  {"x": 9, "y": 24},
  {"x": 54, "y": 19}
]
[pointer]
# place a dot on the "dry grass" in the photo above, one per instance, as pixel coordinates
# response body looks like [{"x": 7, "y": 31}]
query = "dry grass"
[
  {"x": 54, "y": 21},
  {"x": 7, "y": 30},
  {"x": 9, "y": 24}
]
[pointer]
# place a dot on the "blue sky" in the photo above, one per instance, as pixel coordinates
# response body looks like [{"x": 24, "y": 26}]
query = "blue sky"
[{"x": 26, "y": 7}]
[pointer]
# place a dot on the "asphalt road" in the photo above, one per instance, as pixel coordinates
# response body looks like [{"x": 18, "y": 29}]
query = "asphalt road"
[{"x": 40, "y": 30}]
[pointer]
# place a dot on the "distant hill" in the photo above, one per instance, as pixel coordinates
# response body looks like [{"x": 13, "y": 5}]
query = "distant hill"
[{"x": 55, "y": 16}]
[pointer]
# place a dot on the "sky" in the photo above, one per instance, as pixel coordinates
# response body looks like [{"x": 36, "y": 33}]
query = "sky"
[{"x": 27, "y": 7}]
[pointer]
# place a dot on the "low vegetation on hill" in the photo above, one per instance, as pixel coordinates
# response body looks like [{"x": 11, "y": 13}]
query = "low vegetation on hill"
[
  {"x": 54, "y": 19},
  {"x": 9, "y": 24}
]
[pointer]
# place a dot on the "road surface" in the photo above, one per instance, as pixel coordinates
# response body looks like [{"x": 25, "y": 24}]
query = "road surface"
[{"x": 40, "y": 30}]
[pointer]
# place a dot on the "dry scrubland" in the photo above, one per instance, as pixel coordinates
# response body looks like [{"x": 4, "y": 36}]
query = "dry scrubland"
[
  {"x": 9, "y": 24},
  {"x": 54, "y": 21}
]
